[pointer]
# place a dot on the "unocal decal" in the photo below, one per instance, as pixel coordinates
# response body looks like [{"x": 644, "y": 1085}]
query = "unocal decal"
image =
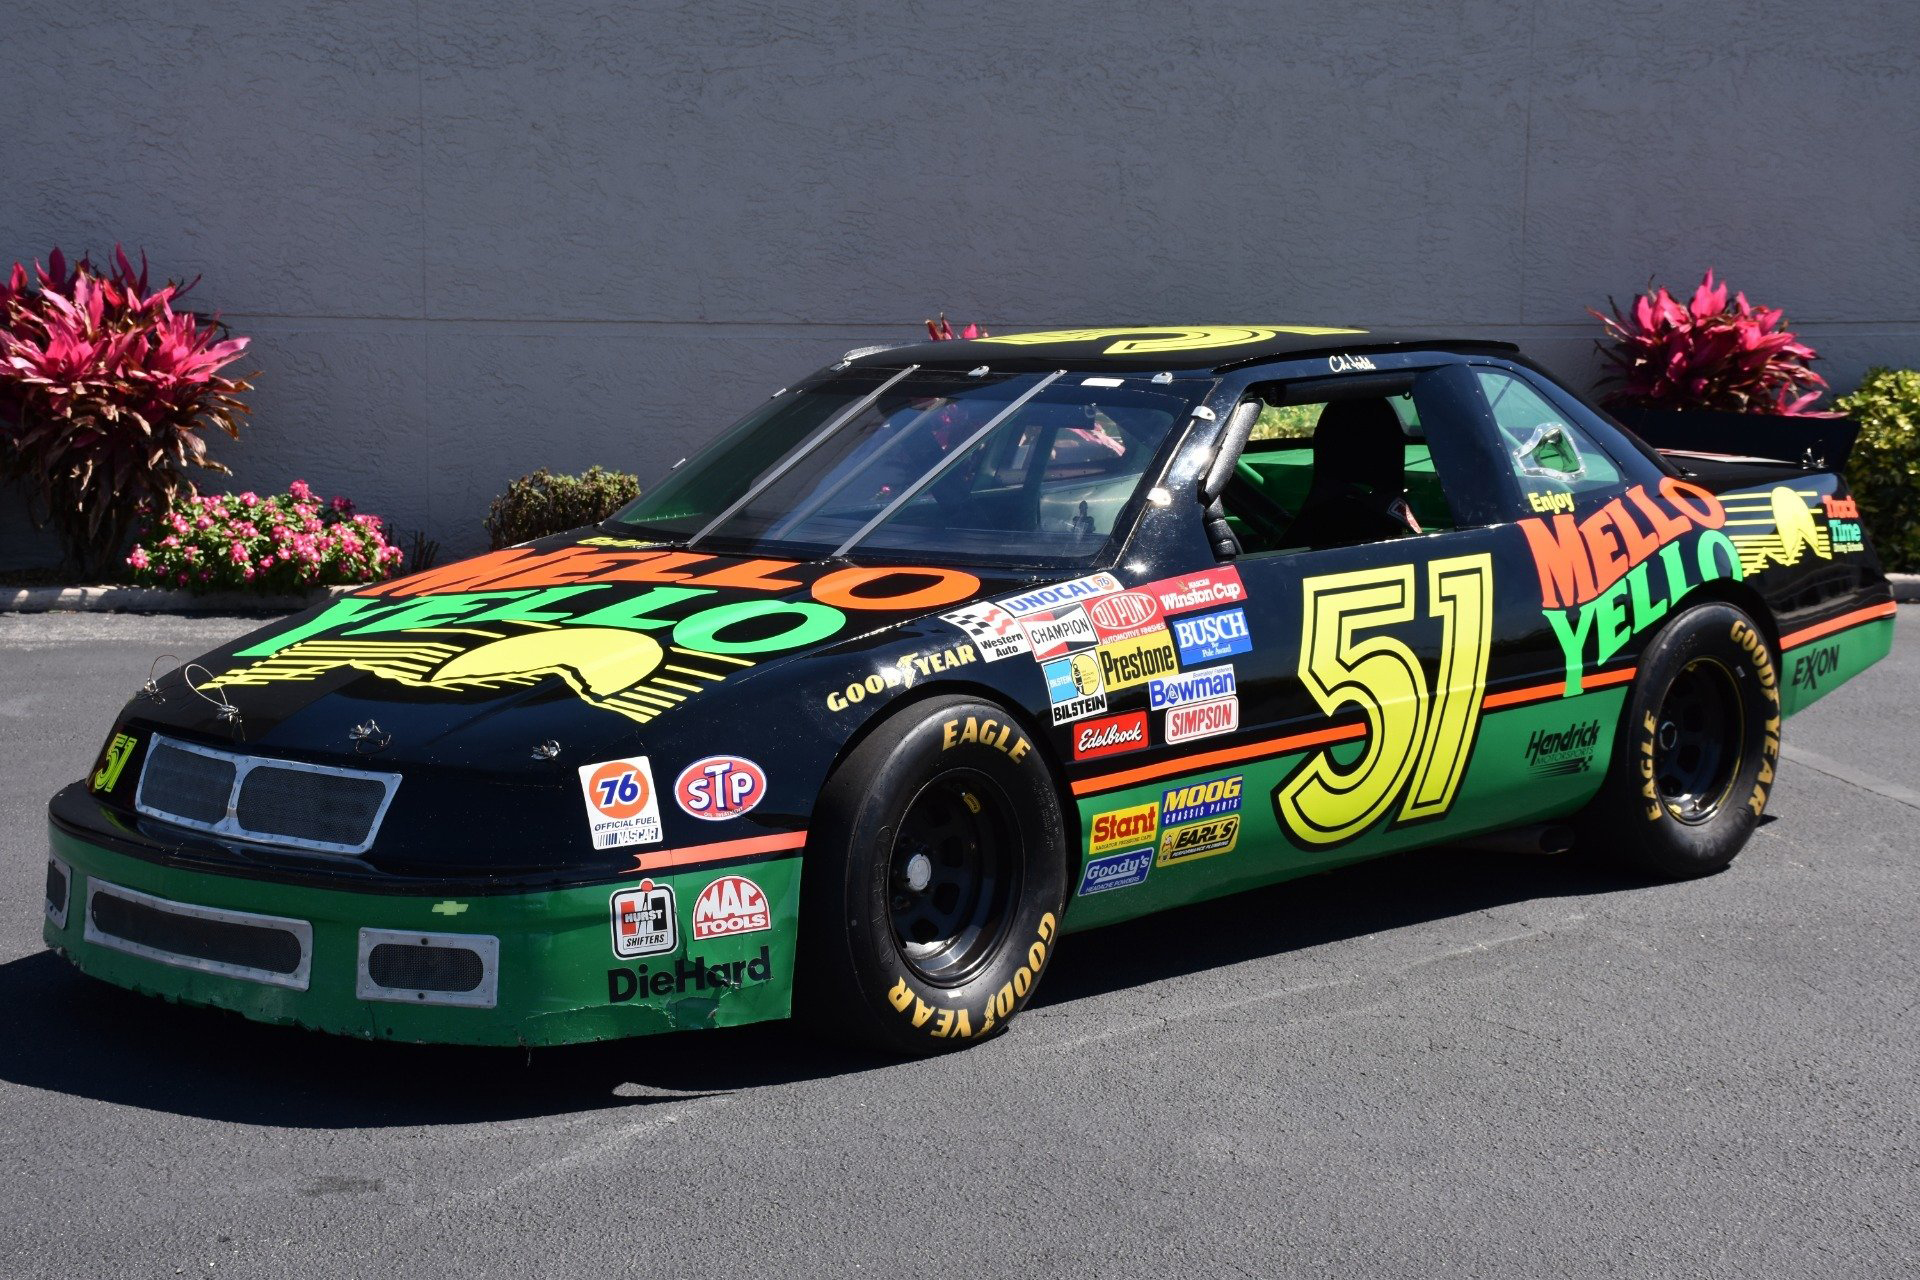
[{"x": 1060, "y": 593}]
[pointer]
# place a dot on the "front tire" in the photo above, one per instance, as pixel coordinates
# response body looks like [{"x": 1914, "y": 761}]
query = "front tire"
[
  {"x": 1696, "y": 754},
  {"x": 935, "y": 880}
]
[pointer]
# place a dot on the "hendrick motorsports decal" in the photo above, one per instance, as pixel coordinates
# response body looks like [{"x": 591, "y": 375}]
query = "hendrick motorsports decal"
[
  {"x": 622, "y": 806},
  {"x": 644, "y": 920}
]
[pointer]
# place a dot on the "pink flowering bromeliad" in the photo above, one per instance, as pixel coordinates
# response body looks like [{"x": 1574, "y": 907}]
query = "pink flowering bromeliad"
[
  {"x": 105, "y": 390},
  {"x": 282, "y": 542},
  {"x": 1707, "y": 353}
]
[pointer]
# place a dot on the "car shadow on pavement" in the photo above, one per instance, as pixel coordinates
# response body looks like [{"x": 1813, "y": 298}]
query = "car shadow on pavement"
[{"x": 66, "y": 1033}]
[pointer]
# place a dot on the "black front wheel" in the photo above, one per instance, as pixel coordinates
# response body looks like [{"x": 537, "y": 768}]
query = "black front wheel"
[
  {"x": 1698, "y": 746},
  {"x": 935, "y": 880}
]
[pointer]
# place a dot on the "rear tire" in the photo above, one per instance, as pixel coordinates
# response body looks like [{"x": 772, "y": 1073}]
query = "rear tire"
[
  {"x": 935, "y": 880},
  {"x": 1695, "y": 757}
]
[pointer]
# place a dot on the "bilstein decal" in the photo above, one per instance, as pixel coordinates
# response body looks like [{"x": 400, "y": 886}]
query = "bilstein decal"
[{"x": 1074, "y": 687}]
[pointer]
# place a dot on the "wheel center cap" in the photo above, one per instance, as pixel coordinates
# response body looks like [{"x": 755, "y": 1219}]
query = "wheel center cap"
[
  {"x": 919, "y": 872},
  {"x": 1669, "y": 734}
]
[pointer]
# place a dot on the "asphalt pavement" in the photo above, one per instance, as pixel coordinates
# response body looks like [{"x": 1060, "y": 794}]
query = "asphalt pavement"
[{"x": 1443, "y": 1063}]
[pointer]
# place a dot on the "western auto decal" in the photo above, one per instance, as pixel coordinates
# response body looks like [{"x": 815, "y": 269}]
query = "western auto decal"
[
  {"x": 720, "y": 787},
  {"x": 1609, "y": 576},
  {"x": 994, "y": 631},
  {"x": 1126, "y": 615},
  {"x": 1041, "y": 599},
  {"x": 1110, "y": 736},
  {"x": 1198, "y": 590},
  {"x": 1208, "y": 637},
  {"x": 1116, "y": 871},
  {"x": 644, "y": 920},
  {"x": 631, "y": 632},
  {"x": 622, "y": 806},
  {"x": 731, "y": 904},
  {"x": 1052, "y": 634},
  {"x": 1074, "y": 688}
]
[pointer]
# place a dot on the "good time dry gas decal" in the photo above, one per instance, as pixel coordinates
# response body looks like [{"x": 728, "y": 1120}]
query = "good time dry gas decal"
[{"x": 631, "y": 631}]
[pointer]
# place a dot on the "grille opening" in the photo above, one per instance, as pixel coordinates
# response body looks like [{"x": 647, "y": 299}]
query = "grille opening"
[
  {"x": 187, "y": 784},
  {"x": 410, "y": 967},
  {"x": 223, "y": 942},
  {"x": 320, "y": 807}
]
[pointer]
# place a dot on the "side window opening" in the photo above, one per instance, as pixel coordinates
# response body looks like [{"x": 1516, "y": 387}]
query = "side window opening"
[{"x": 1553, "y": 459}]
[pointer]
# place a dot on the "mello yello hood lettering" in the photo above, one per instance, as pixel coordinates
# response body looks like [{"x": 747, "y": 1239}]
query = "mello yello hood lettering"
[{"x": 630, "y": 629}]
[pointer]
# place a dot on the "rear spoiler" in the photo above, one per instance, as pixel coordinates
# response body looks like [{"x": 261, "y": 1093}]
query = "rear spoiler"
[{"x": 1818, "y": 444}]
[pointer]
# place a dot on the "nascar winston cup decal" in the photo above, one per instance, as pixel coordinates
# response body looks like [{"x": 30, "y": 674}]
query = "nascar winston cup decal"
[
  {"x": 644, "y": 923},
  {"x": 720, "y": 787},
  {"x": 622, "y": 806}
]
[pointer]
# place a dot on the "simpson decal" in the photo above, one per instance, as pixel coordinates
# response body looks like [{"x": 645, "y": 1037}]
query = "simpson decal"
[
  {"x": 1060, "y": 593},
  {"x": 1131, "y": 662},
  {"x": 1202, "y": 719},
  {"x": 731, "y": 904},
  {"x": 1110, "y": 736},
  {"x": 1192, "y": 801},
  {"x": 994, "y": 631},
  {"x": 644, "y": 921},
  {"x": 1124, "y": 616},
  {"x": 1074, "y": 688},
  {"x": 1116, "y": 871},
  {"x": 1198, "y": 590},
  {"x": 1195, "y": 686},
  {"x": 1124, "y": 828},
  {"x": 1052, "y": 634},
  {"x": 622, "y": 806},
  {"x": 1207, "y": 637},
  {"x": 720, "y": 787}
]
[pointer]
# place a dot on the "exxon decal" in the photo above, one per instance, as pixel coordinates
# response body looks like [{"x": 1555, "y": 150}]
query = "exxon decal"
[{"x": 1195, "y": 686}]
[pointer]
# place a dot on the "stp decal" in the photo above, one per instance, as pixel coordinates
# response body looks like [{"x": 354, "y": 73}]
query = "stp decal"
[
  {"x": 994, "y": 631},
  {"x": 1110, "y": 735},
  {"x": 720, "y": 787},
  {"x": 1206, "y": 637},
  {"x": 644, "y": 920},
  {"x": 622, "y": 806},
  {"x": 731, "y": 904}
]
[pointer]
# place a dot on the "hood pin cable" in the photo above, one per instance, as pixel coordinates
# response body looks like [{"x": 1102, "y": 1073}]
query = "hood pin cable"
[{"x": 229, "y": 714}]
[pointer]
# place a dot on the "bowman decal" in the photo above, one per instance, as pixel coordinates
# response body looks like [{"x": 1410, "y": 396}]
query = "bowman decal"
[
  {"x": 1194, "y": 686},
  {"x": 622, "y": 806}
]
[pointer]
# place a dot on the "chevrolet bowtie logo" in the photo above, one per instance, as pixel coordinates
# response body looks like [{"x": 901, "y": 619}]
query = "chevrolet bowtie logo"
[{"x": 449, "y": 908}]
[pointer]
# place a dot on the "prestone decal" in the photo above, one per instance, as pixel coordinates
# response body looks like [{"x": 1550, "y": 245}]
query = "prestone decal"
[
  {"x": 644, "y": 920},
  {"x": 731, "y": 904},
  {"x": 1130, "y": 662},
  {"x": 1116, "y": 871},
  {"x": 1060, "y": 593},
  {"x": 622, "y": 806},
  {"x": 720, "y": 787},
  {"x": 997, "y": 633},
  {"x": 1208, "y": 637}
]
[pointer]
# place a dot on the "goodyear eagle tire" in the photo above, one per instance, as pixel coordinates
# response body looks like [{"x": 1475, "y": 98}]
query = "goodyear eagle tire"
[
  {"x": 935, "y": 878},
  {"x": 1697, "y": 750}
]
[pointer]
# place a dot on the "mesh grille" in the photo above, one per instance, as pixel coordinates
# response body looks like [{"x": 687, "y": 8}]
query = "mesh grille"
[
  {"x": 403, "y": 967},
  {"x": 249, "y": 946},
  {"x": 56, "y": 889},
  {"x": 322, "y": 807},
  {"x": 186, "y": 783}
]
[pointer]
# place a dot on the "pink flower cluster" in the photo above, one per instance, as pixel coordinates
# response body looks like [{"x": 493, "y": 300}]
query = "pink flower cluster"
[{"x": 242, "y": 541}]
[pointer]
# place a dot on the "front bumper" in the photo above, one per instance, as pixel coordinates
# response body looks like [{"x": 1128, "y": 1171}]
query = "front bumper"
[{"x": 532, "y": 968}]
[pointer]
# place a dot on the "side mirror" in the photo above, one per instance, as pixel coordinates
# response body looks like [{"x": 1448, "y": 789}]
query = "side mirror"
[{"x": 1233, "y": 440}]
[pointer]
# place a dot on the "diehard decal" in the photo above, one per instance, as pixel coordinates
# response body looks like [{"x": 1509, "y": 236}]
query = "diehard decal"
[
  {"x": 1207, "y": 637},
  {"x": 622, "y": 806},
  {"x": 1198, "y": 840},
  {"x": 1198, "y": 590},
  {"x": 693, "y": 973},
  {"x": 730, "y": 905},
  {"x": 1123, "y": 828},
  {"x": 1116, "y": 871},
  {"x": 720, "y": 787},
  {"x": 644, "y": 920},
  {"x": 992, "y": 629},
  {"x": 1060, "y": 593},
  {"x": 1110, "y": 736},
  {"x": 1191, "y": 801},
  {"x": 1194, "y": 686},
  {"x": 1202, "y": 719},
  {"x": 1074, "y": 688}
]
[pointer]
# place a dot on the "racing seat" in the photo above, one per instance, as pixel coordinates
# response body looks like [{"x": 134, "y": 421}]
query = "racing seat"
[{"x": 1359, "y": 488}]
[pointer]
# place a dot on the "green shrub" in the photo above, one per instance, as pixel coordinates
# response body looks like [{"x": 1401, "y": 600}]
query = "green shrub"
[
  {"x": 542, "y": 503},
  {"x": 1885, "y": 468},
  {"x": 1286, "y": 422}
]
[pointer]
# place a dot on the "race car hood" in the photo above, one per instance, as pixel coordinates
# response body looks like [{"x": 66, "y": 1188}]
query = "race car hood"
[{"x": 584, "y": 643}]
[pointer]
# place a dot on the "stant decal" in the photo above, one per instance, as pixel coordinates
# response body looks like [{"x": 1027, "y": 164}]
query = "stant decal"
[
  {"x": 1052, "y": 634},
  {"x": 1121, "y": 828},
  {"x": 1203, "y": 685},
  {"x": 644, "y": 920},
  {"x": 1110, "y": 736},
  {"x": 1060, "y": 593},
  {"x": 1116, "y": 871},
  {"x": 1124, "y": 616},
  {"x": 1209, "y": 636},
  {"x": 622, "y": 806},
  {"x": 1192, "y": 801},
  {"x": 1202, "y": 719},
  {"x": 1074, "y": 688},
  {"x": 731, "y": 904},
  {"x": 1198, "y": 590},
  {"x": 1131, "y": 662},
  {"x": 1199, "y": 840},
  {"x": 720, "y": 787},
  {"x": 994, "y": 631}
]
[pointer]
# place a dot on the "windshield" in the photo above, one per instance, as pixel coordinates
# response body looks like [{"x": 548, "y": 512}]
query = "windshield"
[{"x": 1031, "y": 468}]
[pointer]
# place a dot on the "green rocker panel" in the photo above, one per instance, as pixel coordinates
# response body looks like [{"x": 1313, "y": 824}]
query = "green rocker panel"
[{"x": 560, "y": 978}]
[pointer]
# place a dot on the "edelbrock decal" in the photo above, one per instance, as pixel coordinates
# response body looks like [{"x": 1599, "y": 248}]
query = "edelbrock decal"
[
  {"x": 1203, "y": 685},
  {"x": 1059, "y": 593},
  {"x": 1210, "y": 636},
  {"x": 622, "y": 806},
  {"x": 1116, "y": 871},
  {"x": 1110, "y": 736},
  {"x": 994, "y": 631}
]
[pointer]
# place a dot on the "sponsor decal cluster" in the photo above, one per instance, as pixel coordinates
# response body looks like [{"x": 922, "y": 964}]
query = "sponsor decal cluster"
[
  {"x": 995, "y": 633},
  {"x": 1198, "y": 840},
  {"x": 1609, "y": 576},
  {"x": 1074, "y": 687},
  {"x": 1110, "y": 735},
  {"x": 1116, "y": 871},
  {"x": 1192, "y": 801},
  {"x": 646, "y": 923},
  {"x": 1208, "y": 637},
  {"x": 1123, "y": 828},
  {"x": 622, "y": 806},
  {"x": 944, "y": 1022},
  {"x": 901, "y": 674},
  {"x": 1558, "y": 752},
  {"x": 720, "y": 787}
]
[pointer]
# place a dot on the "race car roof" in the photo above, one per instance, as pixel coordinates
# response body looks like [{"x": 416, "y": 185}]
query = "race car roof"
[{"x": 1149, "y": 350}]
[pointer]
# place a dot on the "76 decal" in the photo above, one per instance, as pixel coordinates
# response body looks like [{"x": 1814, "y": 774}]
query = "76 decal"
[
  {"x": 622, "y": 806},
  {"x": 1418, "y": 739}
]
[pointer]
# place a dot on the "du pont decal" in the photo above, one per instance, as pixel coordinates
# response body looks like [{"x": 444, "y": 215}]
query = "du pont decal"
[
  {"x": 1608, "y": 577},
  {"x": 1777, "y": 527},
  {"x": 635, "y": 633},
  {"x": 1125, "y": 616}
]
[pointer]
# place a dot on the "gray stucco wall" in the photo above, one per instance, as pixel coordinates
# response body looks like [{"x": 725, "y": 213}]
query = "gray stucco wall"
[{"x": 474, "y": 237}]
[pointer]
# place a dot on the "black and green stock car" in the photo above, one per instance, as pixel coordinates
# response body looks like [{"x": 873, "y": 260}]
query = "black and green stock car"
[{"x": 952, "y": 650}]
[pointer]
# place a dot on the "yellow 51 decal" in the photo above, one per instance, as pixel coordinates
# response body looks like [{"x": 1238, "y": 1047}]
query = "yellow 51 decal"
[{"x": 1417, "y": 740}]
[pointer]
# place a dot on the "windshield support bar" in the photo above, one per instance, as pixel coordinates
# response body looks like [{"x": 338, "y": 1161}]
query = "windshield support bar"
[
  {"x": 792, "y": 460},
  {"x": 946, "y": 462}
]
